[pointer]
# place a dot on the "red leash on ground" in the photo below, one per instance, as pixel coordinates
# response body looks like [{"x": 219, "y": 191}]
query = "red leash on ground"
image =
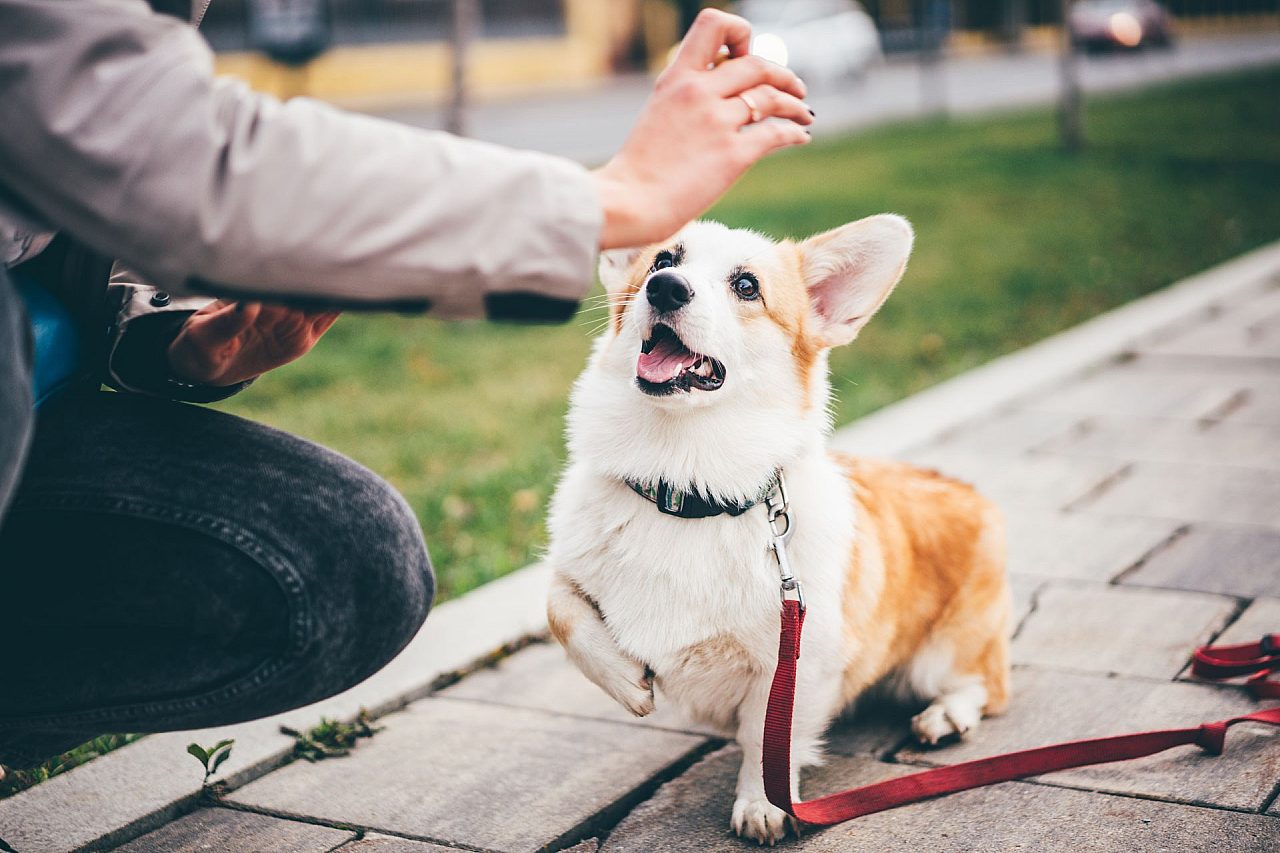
[{"x": 1256, "y": 660}]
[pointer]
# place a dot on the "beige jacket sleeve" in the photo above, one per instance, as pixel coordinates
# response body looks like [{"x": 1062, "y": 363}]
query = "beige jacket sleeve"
[{"x": 113, "y": 127}]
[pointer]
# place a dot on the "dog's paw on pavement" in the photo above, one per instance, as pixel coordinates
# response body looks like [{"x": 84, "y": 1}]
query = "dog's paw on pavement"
[{"x": 761, "y": 821}]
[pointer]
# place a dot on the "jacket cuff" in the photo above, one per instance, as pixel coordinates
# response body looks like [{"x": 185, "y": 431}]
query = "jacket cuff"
[
  {"x": 574, "y": 240},
  {"x": 138, "y": 351}
]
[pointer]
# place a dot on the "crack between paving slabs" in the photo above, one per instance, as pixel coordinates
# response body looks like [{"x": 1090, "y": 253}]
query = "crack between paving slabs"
[
  {"x": 1242, "y": 604},
  {"x": 359, "y": 829},
  {"x": 572, "y": 716},
  {"x": 1099, "y": 489},
  {"x": 603, "y": 822},
  {"x": 1161, "y": 546},
  {"x": 360, "y": 836},
  {"x": 598, "y": 825},
  {"x": 162, "y": 816},
  {"x": 1073, "y": 432},
  {"x": 1270, "y": 800},
  {"x": 1210, "y": 419},
  {"x": 185, "y": 805},
  {"x": 1033, "y": 605}
]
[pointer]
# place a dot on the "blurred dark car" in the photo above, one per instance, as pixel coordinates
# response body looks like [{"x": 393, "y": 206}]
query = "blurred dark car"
[{"x": 1120, "y": 25}]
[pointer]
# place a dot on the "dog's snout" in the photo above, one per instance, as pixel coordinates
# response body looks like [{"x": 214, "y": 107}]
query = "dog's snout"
[{"x": 668, "y": 291}]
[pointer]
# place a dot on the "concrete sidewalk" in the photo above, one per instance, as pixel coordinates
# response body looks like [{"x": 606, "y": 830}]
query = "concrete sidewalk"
[
  {"x": 1144, "y": 503},
  {"x": 1138, "y": 459}
]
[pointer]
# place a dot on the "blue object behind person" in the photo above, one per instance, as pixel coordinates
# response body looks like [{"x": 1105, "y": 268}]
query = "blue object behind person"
[{"x": 55, "y": 339}]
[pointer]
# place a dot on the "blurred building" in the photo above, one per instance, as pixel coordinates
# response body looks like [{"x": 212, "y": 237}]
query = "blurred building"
[{"x": 388, "y": 50}]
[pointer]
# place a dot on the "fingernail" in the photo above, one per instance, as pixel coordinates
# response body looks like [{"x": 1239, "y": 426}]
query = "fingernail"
[{"x": 811, "y": 112}]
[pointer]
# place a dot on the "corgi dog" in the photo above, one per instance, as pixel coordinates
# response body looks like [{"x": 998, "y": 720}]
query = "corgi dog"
[{"x": 710, "y": 381}]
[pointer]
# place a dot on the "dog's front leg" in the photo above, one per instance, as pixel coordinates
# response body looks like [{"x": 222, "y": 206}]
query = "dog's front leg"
[
  {"x": 576, "y": 622},
  {"x": 754, "y": 816}
]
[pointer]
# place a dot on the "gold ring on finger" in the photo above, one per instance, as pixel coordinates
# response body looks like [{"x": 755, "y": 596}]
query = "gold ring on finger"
[{"x": 751, "y": 105}]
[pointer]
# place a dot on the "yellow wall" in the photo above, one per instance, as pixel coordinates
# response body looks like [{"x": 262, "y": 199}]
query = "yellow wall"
[{"x": 595, "y": 30}]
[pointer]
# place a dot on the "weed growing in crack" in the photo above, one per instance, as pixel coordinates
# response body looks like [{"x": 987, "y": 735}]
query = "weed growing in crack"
[
  {"x": 211, "y": 758},
  {"x": 331, "y": 738}
]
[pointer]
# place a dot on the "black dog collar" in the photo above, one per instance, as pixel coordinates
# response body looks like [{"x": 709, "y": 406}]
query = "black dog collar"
[{"x": 693, "y": 505}]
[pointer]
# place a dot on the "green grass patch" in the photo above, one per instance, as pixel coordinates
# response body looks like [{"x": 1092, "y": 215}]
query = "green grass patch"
[
  {"x": 19, "y": 780},
  {"x": 1016, "y": 240}
]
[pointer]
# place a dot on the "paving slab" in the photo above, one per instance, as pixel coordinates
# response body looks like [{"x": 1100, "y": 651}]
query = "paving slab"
[
  {"x": 1080, "y": 545},
  {"x": 1020, "y": 482},
  {"x": 473, "y": 774},
  {"x": 376, "y": 843},
  {"x": 1191, "y": 492},
  {"x": 1243, "y": 561},
  {"x": 1228, "y": 443},
  {"x": 691, "y": 813},
  {"x": 230, "y": 831},
  {"x": 541, "y": 677},
  {"x": 131, "y": 790},
  {"x": 1248, "y": 329},
  {"x": 1258, "y": 402},
  {"x": 1011, "y": 430},
  {"x": 1142, "y": 388},
  {"x": 1052, "y": 707},
  {"x": 1047, "y": 366},
  {"x": 1147, "y": 633}
]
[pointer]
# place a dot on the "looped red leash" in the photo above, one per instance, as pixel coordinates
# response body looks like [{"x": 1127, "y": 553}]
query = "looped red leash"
[
  {"x": 1256, "y": 660},
  {"x": 1253, "y": 659}
]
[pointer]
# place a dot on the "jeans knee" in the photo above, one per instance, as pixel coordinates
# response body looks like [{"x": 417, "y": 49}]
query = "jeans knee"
[{"x": 374, "y": 586}]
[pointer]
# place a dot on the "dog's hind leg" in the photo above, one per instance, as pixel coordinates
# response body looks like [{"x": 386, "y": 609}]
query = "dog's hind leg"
[
  {"x": 576, "y": 623},
  {"x": 963, "y": 668}
]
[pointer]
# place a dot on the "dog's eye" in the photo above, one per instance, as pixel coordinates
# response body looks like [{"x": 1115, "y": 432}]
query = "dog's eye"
[
  {"x": 746, "y": 287},
  {"x": 664, "y": 260}
]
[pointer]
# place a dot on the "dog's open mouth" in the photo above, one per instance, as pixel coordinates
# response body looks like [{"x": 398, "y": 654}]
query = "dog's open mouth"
[{"x": 666, "y": 365}]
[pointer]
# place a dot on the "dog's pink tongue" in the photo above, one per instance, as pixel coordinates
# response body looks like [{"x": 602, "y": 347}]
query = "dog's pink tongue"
[{"x": 662, "y": 363}]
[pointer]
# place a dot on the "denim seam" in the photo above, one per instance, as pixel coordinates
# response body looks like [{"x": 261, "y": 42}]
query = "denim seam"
[{"x": 218, "y": 528}]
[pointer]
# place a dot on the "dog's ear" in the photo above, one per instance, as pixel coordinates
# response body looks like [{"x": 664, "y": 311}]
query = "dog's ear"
[
  {"x": 850, "y": 271},
  {"x": 615, "y": 266}
]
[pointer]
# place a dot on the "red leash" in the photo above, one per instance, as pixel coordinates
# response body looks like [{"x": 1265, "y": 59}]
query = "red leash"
[{"x": 1256, "y": 660}]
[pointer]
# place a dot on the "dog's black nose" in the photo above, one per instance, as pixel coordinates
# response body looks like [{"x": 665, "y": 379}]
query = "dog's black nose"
[{"x": 668, "y": 291}]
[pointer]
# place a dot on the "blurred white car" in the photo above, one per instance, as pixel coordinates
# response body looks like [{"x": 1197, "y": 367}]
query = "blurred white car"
[
  {"x": 1120, "y": 24},
  {"x": 821, "y": 40}
]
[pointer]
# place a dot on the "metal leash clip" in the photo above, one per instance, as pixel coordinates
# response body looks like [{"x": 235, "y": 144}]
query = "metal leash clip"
[{"x": 781, "y": 527}]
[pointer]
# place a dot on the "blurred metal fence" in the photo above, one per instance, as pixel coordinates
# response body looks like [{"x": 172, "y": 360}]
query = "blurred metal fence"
[{"x": 227, "y": 23}]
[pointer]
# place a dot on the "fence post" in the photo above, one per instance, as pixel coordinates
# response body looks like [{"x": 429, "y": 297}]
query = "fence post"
[
  {"x": 466, "y": 16},
  {"x": 1070, "y": 107}
]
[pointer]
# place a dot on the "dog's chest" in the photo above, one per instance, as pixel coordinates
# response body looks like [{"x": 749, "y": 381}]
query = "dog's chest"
[
  {"x": 665, "y": 584},
  {"x": 671, "y": 588}
]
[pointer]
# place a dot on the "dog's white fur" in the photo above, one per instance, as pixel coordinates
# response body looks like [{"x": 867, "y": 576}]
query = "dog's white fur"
[{"x": 640, "y": 596}]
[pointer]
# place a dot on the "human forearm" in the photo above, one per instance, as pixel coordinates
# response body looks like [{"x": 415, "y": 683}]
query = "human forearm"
[{"x": 116, "y": 130}]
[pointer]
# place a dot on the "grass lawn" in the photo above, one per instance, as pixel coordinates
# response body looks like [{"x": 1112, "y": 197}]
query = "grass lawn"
[{"x": 1016, "y": 240}]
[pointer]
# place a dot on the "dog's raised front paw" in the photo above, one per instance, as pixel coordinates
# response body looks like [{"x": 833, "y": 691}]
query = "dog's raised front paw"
[
  {"x": 761, "y": 821},
  {"x": 943, "y": 719},
  {"x": 634, "y": 691}
]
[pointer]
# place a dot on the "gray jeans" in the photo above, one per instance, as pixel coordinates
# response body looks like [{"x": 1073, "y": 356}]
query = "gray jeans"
[{"x": 165, "y": 566}]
